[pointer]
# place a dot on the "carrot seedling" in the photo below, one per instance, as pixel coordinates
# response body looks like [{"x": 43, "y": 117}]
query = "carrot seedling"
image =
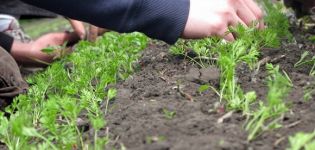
[
  {"x": 268, "y": 114},
  {"x": 302, "y": 141},
  {"x": 169, "y": 114}
]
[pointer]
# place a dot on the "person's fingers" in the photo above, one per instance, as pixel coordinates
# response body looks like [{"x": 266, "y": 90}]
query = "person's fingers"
[
  {"x": 232, "y": 21},
  {"x": 206, "y": 19},
  {"x": 257, "y": 12},
  {"x": 261, "y": 24},
  {"x": 78, "y": 27},
  {"x": 246, "y": 14},
  {"x": 254, "y": 8},
  {"x": 235, "y": 20},
  {"x": 229, "y": 37},
  {"x": 226, "y": 34}
]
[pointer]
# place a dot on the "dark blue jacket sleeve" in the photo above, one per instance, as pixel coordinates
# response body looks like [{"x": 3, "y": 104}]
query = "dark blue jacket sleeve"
[{"x": 160, "y": 19}]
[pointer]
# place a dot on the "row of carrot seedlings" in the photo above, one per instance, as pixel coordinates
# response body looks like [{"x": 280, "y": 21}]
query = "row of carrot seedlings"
[{"x": 70, "y": 92}]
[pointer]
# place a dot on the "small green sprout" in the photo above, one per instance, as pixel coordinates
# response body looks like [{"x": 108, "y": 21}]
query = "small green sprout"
[
  {"x": 221, "y": 142},
  {"x": 304, "y": 61},
  {"x": 169, "y": 114},
  {"x": 203, "y": 88},
  {"x": 110, "y": 95}
]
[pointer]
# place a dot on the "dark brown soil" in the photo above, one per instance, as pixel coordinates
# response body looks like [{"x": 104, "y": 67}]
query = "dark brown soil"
[{"x": 137, "y": 117}]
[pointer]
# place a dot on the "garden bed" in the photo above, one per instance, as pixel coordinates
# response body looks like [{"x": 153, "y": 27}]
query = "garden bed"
[
  {"x": 150, "y": 113},
  {"x": 254, "y": 93}
]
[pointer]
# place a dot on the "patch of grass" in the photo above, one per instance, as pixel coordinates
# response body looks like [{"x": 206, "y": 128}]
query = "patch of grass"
[{"x": 47, "y": 116}]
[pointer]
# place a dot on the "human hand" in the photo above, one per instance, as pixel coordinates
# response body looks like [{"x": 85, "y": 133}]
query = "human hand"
[
  {"x": 78, "y": 28},
  {"x": 213, "y": 17},
  {"x": 94, "y": 32}
]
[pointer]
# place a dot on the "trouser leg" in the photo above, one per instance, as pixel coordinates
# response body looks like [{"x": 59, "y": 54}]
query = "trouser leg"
[{"x": 11, "y": 82}]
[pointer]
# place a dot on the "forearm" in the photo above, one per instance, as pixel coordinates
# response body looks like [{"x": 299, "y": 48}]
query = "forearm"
[{"x": 160, "y": 19}]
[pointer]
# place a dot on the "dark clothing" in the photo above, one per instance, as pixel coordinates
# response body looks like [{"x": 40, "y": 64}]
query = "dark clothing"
[
  {"x": 17, "y": 8},
  {"x": 160, "y": 19},
  {"x": 302, "y": 7},
  {"x": 6, "y": 41},
  {"x": 11, "y": 81}
]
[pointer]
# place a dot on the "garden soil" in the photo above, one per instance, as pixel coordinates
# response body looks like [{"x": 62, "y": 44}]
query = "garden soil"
[{"x": 161, "y": 108}]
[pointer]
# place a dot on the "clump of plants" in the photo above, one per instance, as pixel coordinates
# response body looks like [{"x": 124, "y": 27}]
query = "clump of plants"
[
  {"x": 227, "y": 56},
  {"x": 302, "y": 141},
  {"x": 49, "y": 116}
]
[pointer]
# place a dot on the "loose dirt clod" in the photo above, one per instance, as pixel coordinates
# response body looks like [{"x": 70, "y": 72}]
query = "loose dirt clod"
[
  {"x": 209, "y": 74},
  {"x": 204, "y": 75}
]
